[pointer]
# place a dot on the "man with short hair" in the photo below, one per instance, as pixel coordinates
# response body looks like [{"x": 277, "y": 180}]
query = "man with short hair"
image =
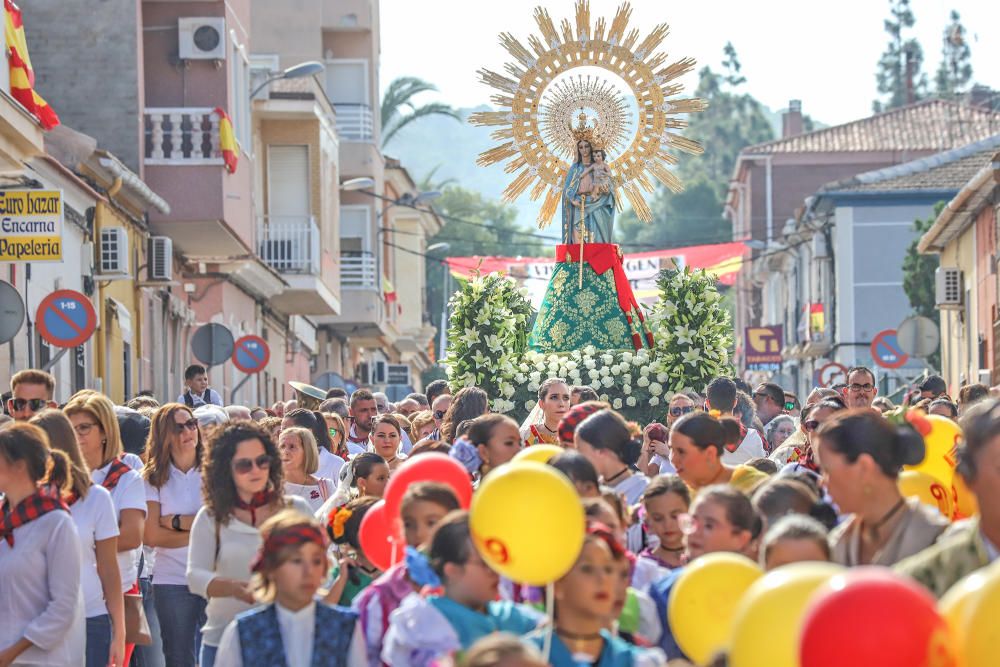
[
  {"x": 420, "y": 399},
  {"x": 382, "y": 402},
  {"x": 721, "y": 395},
  {"x": 861, "y": 388},
  {"x": 196, "y": 389},
  {"x": 769, "y": 399},
  {"x": 31, "y": 392},
  {"x": 435, "y": 389},
  {"x": 237, "y": 412},
  {"x": 363, "y": 410},
  {"x": 439, "y": 410},
  {"x": 933, "y": 387},
  {"x": 407, "y": 407},
  {"x": 336, "y": 406},
  {"x": 582, "y": 394},
  {"x": 336, "y": 392}
]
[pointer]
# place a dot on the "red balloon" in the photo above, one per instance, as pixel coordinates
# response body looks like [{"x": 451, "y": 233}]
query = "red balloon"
[
  {"x": 433, "y": 467},
  {"x": 378, "y": 541},
  {"x": 870, "y": 616}
]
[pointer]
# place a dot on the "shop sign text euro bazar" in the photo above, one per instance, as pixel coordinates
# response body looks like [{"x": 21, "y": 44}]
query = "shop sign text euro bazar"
[{"x": 31, "y": 225}]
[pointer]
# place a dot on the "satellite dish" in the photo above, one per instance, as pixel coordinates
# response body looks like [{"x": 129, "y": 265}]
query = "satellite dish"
[{"x": 918, "y": 336}]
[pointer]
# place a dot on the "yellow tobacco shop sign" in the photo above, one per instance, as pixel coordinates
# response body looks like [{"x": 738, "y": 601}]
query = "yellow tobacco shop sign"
[{"x": 31, "y": 225}]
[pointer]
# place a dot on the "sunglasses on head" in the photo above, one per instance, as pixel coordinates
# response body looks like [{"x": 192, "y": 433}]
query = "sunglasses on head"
[
  {"x": 243, "y": 466},
  {"x": 34, "y": 404},
  {"x": 678, "y": 411},
  {"x": 191, "y": 425}
]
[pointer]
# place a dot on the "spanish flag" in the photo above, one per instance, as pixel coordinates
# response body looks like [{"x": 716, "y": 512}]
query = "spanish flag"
[
  {"x": 22, "y": 77},
  {"x": 227, "y": 141}
]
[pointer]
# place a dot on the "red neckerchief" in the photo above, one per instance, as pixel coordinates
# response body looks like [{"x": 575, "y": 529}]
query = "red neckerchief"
[
  {"x": 71, "y": 498},
  {"x": 356, "y": 440},
  {"x": 805, "y": 458},
  {"x": 29, "y": 509},
  {"x": 115, "y": 472},
  {"x": 258, "y": 500},
  {"x": 732, "y": 447}
]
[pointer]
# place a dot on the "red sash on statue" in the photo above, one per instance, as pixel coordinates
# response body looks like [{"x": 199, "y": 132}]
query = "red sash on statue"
[{"x": 601, "y": 257}]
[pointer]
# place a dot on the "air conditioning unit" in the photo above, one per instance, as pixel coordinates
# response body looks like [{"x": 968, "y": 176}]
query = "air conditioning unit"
[
  {"x": 398, "y": 374},
  {"x": 948, "y": 288},
  {"x": 201, "y": 38},
  {"x": 161, "y": 256},
  {"x": 113, "y": 259}
]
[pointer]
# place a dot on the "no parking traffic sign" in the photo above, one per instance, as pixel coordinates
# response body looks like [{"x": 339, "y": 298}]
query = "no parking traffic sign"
[
  {"x": 886, "y": 351},
  {"x": 66, "y": 318},
  {"x": 251, "y": 354}
]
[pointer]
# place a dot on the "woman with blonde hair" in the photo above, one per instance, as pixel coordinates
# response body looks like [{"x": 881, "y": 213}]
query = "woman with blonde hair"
[
  {"x": 96, "y": 521},
  {"x": 97, "y": 434},
  {"x": 172, "y": 474},
  {"x": 300, "y": 461}
]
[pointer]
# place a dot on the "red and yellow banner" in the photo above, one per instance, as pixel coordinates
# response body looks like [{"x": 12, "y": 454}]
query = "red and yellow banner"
[
  {"x": 722, "y": 260},
  {"x": 227, "y": 141},
  {"x": 22, "y": 76}
]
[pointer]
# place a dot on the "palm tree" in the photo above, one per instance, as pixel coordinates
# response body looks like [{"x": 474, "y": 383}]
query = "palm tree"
[{"x": 399, "y": 95}]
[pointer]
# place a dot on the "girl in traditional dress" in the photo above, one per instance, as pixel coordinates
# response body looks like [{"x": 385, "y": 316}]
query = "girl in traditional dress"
[
  {"x": 462, "y": 607},
  {"x": 364, "y": 475},
  {"x": 584, "y": 601},
  {"x": 386, "y": 437},
  {"x": 353, "y": 571},
  {"x": 241, "y": 485},
  {"x": 553, "y": 402},
  {"x": 423, "y": 506},
  {"x": 98, "y": 435},
  {"x": 665, "y": 499},
  {"x": 96, "y": 521},
  {"x": 605, "y": 439},
  {"x": 300, "y": 462},
  {"x": 491, "y": 441},
  {"x": 40, "y": 607},
  {"x": 721, "y": 519},
  {"x": 292, "y": 627},
  {"x": 173, "y": 497},
  {"x": 697, "y": 443}
]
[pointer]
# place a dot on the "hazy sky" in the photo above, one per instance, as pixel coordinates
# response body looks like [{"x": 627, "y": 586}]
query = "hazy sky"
[{"x": 823, "y": 53}]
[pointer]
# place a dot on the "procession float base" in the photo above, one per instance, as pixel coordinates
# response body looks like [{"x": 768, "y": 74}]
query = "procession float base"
[{"x": 489, "y": 345}]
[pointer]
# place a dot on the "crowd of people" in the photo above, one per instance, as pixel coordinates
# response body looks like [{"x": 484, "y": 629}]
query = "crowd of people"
[{"x": 192, "y": 533}]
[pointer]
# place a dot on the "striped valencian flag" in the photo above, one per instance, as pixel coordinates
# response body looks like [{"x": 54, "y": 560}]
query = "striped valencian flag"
[
  {"x": 227, "y": 141},
  {"x": 22, "y": 77}
]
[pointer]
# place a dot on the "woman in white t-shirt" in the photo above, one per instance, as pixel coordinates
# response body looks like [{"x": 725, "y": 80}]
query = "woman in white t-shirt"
[
  {"x": 96, "y": 521},
  {"x": 93, "y": 418},
  {"x": 299, "y": 461},
  {"x": 173, "y": 497},
  {"x": 242, "y": 487}
]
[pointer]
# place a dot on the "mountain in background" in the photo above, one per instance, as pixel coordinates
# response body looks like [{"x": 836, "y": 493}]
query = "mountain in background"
[{"x": 451, "y": 147}]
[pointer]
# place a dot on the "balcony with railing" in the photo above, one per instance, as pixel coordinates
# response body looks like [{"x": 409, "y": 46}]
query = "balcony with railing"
[
  {"x": 363, "y": 314},
  {"x": 357, "y": 271},
  {"x": 182, "y": 135},
  {"x": 355, "y": 122},
  {"x": 292, "y": 246}
]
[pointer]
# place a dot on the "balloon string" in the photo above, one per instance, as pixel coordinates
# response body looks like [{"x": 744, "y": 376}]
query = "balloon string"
[
  {"x": 550, "y": 604},
  {"x": 395, "y": 553}
]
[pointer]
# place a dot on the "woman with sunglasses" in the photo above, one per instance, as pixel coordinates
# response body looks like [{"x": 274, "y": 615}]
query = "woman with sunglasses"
[
  {"x": 861, "y": 455},
  {"x": 99, "y": 437},
  {"x": 173, "y": 498},
  {"x": 721, "y": 519},
  {"x": 801, "y": 450},
  {"x": 242, "y": 487}
]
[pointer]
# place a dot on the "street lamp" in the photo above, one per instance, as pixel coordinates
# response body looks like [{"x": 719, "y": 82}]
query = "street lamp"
[
  {"x": 308, "y": 68},
  {"x": 444, "y": 247},
  {"x": 362, "y": 183}
]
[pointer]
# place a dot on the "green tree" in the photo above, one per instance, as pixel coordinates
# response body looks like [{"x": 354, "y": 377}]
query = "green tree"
[
  {"x": 955, "y": 71},
  {"x": 398, "y": 97},
  {"x": 734, "y": 119},
  {"x": 918, "y": 276},
  {"x": 473, "y": 225},
  {"x": 900, "y": 75}
]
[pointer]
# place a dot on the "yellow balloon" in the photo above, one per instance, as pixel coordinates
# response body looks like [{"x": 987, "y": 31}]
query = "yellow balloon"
[
  {"x": 704, "y": 599},
  {"x": 928, "y": 490},
  {"x": 966, "y": 504},
  {"x": 954, "y": 605},
  {"x": 527, "y": 522},
  {"x": 769, "y": 617},
  {"x": 539, "y": 453},
  {"x": 981, "y": 622},
  {"x": 939, "y": 459}
]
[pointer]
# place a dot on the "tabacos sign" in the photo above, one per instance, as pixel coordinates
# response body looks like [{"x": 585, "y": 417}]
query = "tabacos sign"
[
  {"x": 31, "y": 225},
  {"x": 762, "y": 347}
]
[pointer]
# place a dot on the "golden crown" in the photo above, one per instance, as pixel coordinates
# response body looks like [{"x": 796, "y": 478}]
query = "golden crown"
[{"x": 585, "y": 132}]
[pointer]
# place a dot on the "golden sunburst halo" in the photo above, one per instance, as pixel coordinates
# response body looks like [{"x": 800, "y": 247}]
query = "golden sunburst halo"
[{"x": 532, "y": 120}]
